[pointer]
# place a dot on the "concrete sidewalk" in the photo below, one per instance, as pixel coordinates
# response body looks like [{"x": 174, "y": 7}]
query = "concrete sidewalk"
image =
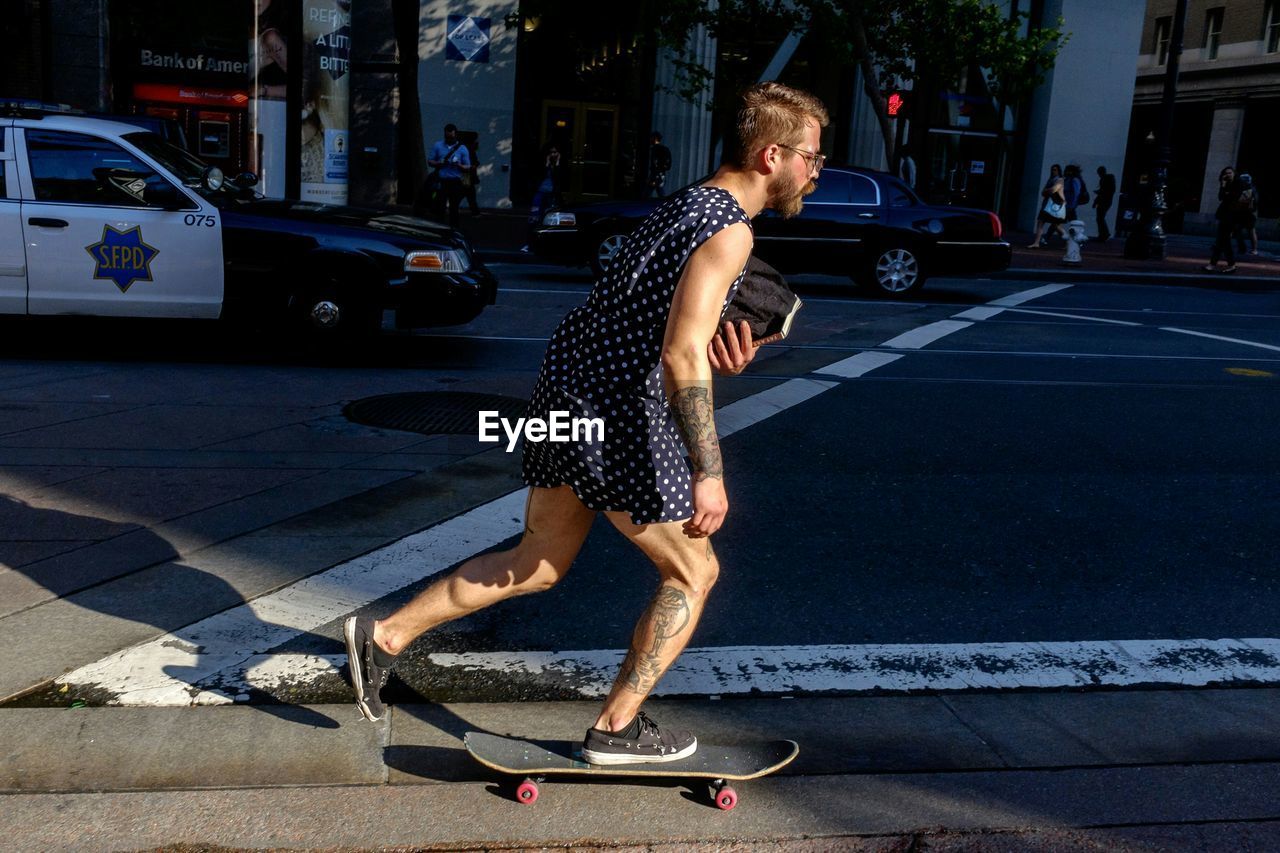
[
  {"x": 1184, "y": 261},
  {"x": 869, "y": 767}
]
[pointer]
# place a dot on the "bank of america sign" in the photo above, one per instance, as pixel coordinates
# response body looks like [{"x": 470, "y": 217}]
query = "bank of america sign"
[{"x": 467, "y": 39}]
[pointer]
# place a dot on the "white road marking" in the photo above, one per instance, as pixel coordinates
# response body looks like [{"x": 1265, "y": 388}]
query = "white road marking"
[
  {"x": 925, "y": 335},
  {"x": 856, "y": 668},
  {"x": 846, "y": 669},
  {"x": 1074, "y": 317},
  {"x": 1220, "y": 338},
  {"x": 982, "y": 312},
  {"x": 164, "y": 670},
  {"x": 857, "y": 365},
  {"x": 751, "y": 410},
  {"x": 170, "y": 670},
  {"x": 1028, "y": 295}
]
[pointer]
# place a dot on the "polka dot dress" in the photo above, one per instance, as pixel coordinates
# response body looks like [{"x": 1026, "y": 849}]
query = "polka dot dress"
[{"x": 604, "y": 361}]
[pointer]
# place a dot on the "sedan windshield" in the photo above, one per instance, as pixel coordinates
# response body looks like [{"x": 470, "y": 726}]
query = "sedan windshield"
[{"x": 184, "y": 165}]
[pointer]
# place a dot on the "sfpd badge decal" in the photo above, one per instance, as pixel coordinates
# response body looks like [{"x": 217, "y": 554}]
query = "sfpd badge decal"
[{"x": 122, "y": 257}]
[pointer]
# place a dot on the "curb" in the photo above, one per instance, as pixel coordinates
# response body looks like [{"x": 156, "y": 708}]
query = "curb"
[
  {"x": 1057, "y": 276},
  {"x": 1070, "y": 276}
]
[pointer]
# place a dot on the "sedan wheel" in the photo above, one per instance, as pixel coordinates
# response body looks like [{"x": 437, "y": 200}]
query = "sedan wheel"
[
  {"x": 608, "y": 249},
  {"x": 897, "y": 270}
]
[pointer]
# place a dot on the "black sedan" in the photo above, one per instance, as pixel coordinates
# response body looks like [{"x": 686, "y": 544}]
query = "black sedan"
[{"x": 861, "y": 223}]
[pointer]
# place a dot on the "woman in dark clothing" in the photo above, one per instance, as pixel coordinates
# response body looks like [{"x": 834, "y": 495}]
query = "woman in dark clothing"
[
  {"x": 1227, "y": 214},
  {"x": 547, "y": 195},
  {"x": 1054, "y": 200},
  {"x": 1247, "y": 217}
]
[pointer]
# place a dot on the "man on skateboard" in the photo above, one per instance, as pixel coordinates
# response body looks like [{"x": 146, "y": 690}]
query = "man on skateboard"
[{"x": 638, "y": 354}]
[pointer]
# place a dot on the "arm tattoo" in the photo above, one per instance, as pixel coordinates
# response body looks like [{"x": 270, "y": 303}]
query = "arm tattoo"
[
  {"x": 695, "y": 417},
  {"x": 667, "y": 615}
]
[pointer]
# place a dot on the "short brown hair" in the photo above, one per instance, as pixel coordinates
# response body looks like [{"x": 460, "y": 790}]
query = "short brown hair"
[{"x": 772, "y": 112}]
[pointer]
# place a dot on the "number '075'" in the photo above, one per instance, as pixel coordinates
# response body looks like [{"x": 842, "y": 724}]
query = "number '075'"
[{"x": 198, "y": 219}]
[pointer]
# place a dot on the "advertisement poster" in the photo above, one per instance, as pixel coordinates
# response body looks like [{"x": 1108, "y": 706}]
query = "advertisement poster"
[
  {"x": 326, "y": 31},
  {"x": 268, "y": 88}
]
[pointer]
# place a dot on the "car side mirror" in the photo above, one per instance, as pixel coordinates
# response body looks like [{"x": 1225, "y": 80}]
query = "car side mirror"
[
  {"x": 245, "y": 180},
  {"x": 167, "y": 197}
]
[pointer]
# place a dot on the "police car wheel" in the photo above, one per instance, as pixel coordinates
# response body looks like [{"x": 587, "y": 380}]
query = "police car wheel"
[
  {"x": 327, "y": 313},
  {"x": 324, "y": 315}
]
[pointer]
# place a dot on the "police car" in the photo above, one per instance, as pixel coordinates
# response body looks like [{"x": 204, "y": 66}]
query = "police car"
[{"x": 103, "y": 218}]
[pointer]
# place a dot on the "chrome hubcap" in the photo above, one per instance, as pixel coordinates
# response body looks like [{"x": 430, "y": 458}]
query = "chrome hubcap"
[
  {"x": 609, "y": 247},
  {"x": 897, "y": 270},
  {"x": 325, "y": 314}
]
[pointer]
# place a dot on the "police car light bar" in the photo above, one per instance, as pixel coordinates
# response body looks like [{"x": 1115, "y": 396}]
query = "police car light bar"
[{"x": 25, "y": 108}]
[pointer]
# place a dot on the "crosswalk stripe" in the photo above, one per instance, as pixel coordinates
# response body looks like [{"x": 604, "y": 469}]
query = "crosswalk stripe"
[{"x": 844, "y": 669}]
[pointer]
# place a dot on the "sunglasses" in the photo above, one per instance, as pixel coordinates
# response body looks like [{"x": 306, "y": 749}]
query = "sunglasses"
[{"x": 814, "y": 159}]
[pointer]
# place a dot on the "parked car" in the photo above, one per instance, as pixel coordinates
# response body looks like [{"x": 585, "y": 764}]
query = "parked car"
[
  {"x": 98, "y": 217},
  {"x": 865, "y": 224}
]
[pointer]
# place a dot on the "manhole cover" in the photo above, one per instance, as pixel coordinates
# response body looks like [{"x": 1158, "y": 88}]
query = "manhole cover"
[{"x": 432, "y": 412}]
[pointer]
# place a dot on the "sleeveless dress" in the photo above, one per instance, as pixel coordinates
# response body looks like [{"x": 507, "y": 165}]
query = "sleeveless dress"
[{"x": 604, "y": 361}]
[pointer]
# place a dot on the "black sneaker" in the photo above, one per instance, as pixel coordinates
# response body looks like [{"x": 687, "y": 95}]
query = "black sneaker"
[
  {"x": 642, "y": 742},
  {"x": 368, "y": 664}
]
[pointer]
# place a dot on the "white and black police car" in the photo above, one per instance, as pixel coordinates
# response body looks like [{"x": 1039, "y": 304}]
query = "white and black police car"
[{"x": 103, "y": 218}]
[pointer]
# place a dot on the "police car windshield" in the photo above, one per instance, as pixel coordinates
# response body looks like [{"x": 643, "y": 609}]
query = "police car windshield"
[{"x": 183, "y": 165}]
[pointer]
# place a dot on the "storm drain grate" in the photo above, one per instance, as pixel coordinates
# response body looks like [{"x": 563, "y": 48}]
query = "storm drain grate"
[{"x": 432, "y": 412}]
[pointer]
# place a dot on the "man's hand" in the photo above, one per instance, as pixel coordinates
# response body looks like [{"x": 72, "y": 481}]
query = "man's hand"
[
  {"x": 710, "y": 506},
  {"x": 731, "y": 350}
]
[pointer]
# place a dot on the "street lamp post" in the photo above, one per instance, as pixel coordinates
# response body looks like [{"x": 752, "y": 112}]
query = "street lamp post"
[{"x": 1148, "y": 242}]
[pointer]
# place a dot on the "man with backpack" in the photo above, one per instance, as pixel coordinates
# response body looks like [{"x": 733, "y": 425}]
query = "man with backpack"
[
  {"x": 1074, "y": 190},
  {"x": 1228, "y": 215}
]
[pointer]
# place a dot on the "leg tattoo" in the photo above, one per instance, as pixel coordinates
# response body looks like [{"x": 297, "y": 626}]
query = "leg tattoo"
[{"x": 667, "y": 615}]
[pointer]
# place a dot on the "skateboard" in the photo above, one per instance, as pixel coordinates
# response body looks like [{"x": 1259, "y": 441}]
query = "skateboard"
[{"x": 716, "y": 763}]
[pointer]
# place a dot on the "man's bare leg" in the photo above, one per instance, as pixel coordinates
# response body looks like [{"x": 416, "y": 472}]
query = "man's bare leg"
[
  {"x": 556, "y": 524},
  {"x": 688, "y": 569}
]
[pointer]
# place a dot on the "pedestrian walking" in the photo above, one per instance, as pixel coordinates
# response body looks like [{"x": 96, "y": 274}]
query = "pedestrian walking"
[
  {"x": 1247, "y": 216},
  {"x": 1074, "y": 191},
  {"x": 1227, "y": 216},
  {"x": 547, "y": 194},
  {"x": 471, "y": 176},
  {"x": 907, "y": 170},
  {"x": 449, "y": 158},
  {"x": 659, "y": 165},
  {"x": 664, "y": 296},
  {"x": 1053, "y": 208},
  {"x": 1103, "y": 196}
]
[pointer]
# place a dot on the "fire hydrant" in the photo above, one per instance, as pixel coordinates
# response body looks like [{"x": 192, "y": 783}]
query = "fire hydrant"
[{"x": 1076, "y": 237}]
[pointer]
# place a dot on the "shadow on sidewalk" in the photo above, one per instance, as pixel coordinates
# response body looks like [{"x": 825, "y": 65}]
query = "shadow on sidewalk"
[{"x": 155, "y": 589}]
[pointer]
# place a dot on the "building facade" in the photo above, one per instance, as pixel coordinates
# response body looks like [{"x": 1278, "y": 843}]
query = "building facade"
[
  {"x": 248, "y": 84},
  {"x": 1227, "y": 105}
]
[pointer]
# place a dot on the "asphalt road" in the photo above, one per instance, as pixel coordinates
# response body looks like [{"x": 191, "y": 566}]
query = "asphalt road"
[{"x": 1092, "y": 464}]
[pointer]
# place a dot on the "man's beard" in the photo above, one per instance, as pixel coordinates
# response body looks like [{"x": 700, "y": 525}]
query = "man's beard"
[{"x": 787, "y": 198}]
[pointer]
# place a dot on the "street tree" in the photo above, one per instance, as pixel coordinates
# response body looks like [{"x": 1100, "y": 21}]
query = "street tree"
[{"x": 923, "y": 45}]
